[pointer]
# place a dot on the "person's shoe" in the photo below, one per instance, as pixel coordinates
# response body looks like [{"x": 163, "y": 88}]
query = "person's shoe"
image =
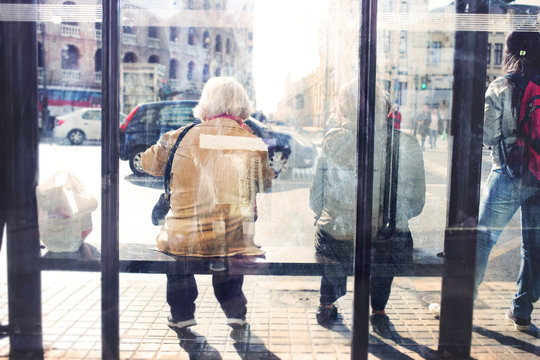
[
  {"x": 237, "y": 323},
  {"x": 381, "y": 324},
  {"x": 519, "y": 324},
  {"x": 181, "y": 328},
  {"x": 435, "y": 309},
  {"x": 326, "y": 316}
]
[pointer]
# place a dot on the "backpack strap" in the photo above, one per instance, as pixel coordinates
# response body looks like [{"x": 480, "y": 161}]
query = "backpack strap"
[{"x": 167, "y": 172}]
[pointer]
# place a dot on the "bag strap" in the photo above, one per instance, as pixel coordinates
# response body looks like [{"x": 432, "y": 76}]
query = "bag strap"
[{"x": 167, "y": 172}]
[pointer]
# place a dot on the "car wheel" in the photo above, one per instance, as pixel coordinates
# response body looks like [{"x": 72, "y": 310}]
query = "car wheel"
[
  {"x": 278, "y": 162},
  {"x": 76, "y": 137},
  {"x": 135, "y": 161}
]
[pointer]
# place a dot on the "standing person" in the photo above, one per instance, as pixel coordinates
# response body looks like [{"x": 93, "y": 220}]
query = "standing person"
[
  {"x": 395, "y": 116},
  {"x": 445, "y": 118},
  {"x": 218, "y": 169},
  {"x": 434, "y": 127},
  {"x": 503, "y": 195},
  {"x": 332, "y": 198},
  {"x": 422, "y": 122}
]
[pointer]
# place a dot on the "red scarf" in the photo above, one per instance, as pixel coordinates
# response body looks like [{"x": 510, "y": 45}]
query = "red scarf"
[{"x": 235, "y": 118}]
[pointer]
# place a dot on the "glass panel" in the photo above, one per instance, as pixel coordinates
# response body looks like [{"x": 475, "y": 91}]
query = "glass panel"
[
  {"x": 291, "y": 69},
  {"x": 415, "y": 71},
  {"x": 70, "y": 183}
]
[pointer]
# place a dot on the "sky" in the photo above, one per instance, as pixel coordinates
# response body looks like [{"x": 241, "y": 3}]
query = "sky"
[{"x": 286, "y": 41}]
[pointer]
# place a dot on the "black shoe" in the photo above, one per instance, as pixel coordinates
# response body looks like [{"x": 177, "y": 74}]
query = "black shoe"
[
  {"x": 519, "y": 324},
  {"x": 326, "y": 316},
  {"x": 381, "y": 325},
  {"x": 181, "y": 328}
]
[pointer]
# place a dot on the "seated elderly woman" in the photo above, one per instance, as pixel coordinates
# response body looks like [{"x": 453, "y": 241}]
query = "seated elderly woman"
[{"x": 217, "y": 170}]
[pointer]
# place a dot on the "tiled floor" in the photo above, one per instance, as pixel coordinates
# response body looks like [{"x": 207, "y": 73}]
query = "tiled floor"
[{"x": 281, "y": 313}]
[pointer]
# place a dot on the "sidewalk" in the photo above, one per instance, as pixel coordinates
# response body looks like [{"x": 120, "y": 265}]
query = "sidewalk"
[{"x": 281, "y": 313}]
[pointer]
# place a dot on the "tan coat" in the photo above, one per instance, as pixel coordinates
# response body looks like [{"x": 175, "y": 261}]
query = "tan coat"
[{"x": 217, "y": 171}]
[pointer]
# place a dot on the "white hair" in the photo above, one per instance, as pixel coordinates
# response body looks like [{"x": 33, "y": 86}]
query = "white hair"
[{"x": 223, "y": 95}]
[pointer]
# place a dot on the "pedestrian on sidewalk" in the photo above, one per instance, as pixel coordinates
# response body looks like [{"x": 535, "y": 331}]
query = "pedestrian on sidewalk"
[
  {"x": 395, "y": 116},
  {"x": 503, "y": 195},
  {"x": 423, "y": 121},
  {"x": 217, "y": 170},
  {"x": 333, "y": 199},
  {"x": 434, "y": 127}
]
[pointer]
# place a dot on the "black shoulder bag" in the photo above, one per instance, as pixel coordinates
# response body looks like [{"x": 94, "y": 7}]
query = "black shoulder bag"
[{"x": 164, "y": 202}]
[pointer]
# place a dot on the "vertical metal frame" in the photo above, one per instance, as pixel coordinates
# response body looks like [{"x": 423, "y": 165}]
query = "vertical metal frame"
[
  {"x": 455, "y": 330},
  {"x": 109, "y": 182},
  {"x": 365, "y": 150},
  {"x": 19, "y": 139}
]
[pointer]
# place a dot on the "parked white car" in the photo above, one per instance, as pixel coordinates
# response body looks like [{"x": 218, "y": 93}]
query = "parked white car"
[{"x": 80, "y": 125}]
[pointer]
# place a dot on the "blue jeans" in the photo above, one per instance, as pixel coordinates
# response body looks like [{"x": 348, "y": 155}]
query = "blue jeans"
[{"x": 502, "y": 196}]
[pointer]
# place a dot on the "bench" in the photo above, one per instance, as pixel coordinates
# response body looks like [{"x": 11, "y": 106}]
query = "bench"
[{"x": 278, "y": 261}]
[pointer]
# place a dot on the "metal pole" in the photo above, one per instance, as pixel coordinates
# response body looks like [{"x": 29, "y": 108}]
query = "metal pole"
[
  {"x": 19, "y": 136},
  {"x": 466, "y": 161},
  {"x": 365, "y": 149},
  {"x": 109, "y": 182}
]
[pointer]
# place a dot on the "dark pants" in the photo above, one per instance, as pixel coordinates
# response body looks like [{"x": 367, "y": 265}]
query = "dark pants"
[
  {"x": 182, "y": 293},
  {"x": 334, "y": 286}
]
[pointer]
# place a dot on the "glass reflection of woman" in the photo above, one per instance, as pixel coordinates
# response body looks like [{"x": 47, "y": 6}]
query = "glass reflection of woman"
[{"x": 333, "y": 199}]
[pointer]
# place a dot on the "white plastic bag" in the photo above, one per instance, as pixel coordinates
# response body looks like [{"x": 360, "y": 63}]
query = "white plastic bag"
[{"x": 64, "y": 212}]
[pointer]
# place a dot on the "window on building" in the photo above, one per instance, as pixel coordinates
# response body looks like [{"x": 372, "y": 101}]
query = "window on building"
[
  {"x": 128, "y": 29},
  {"x": 70, "y": 57},
  {"x": 436, "y": 52},
  {"x": 217, "y": 72},
  {"x": 97, "y": 61},
  {"x": 192, "y": 36},
  {"x": 173, "y": 69},
  {"x": 173, "y": 34},
  {"x": 206, "y": 73},
  {"x": 153, "y": 32},
  {"x": 206, "y": 40},
  {"x": 130, "y": 57},
  {"x": 72, "y": 23},
  {"x": 488, "y": 60},
  {"x": 299, "y": 101},
  {"x": 191, "y": 68},
  {"x": 206, "y": 4},
  {"x": 403, "y": 43},
  {"x": 386, "y": 41},
  {"x": 98, "y": 25},
  {"x": 153, "y": 59},
  {"x": 497, "y": 54},
  {"x": 191, "y": 4},
  {"x": 40, "y": 54},
  {"x": 228, "y": 46},
  {"x": 218, "y": 43}
]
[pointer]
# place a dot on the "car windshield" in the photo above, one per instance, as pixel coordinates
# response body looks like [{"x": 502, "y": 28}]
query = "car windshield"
[{"x": 258, "y": 123}]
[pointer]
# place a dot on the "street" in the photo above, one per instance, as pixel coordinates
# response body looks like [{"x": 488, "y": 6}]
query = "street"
[{"x": 284, "y": 213}]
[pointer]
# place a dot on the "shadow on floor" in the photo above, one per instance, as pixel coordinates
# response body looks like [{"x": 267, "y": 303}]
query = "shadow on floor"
[
  {"x": 249, "y": 346},
  {"x": 512, "y": 341}
]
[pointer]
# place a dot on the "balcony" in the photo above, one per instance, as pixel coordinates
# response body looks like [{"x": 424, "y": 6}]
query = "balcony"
[
  {"x": 174, "y": 84},
  {"x": 71, "y": 31},
  {"x": 174, "y": 46},
  {"x": 129, "y": 39},
  {"x": 69, "y": 76},
  {"x": 97, "y": 76},
  {"x": 153, "y": 43}
]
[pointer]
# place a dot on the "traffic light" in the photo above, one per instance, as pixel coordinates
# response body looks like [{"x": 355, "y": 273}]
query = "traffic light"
[{"x": 423, "y": 83}]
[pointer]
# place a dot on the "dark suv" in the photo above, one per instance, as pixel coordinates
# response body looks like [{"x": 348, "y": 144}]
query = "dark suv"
[{"x": 146, "y": 123}]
